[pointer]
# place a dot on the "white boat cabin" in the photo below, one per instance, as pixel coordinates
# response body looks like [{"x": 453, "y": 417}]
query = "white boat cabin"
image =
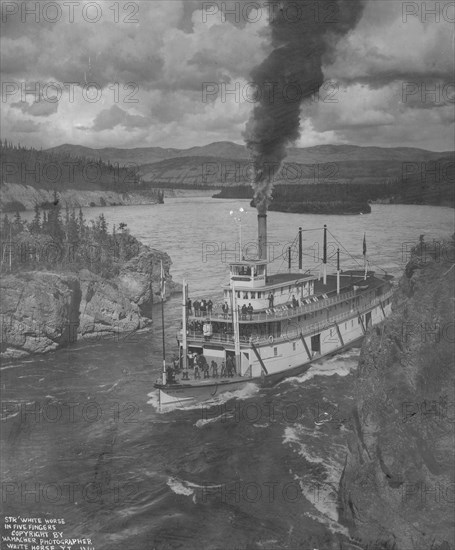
[{"x": 252, "y": 285}]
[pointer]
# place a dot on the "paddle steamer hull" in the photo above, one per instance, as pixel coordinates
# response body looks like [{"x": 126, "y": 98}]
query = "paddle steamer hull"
[
  {"x": 272, "y": 361},
  {"x": 272, "y": 326}
]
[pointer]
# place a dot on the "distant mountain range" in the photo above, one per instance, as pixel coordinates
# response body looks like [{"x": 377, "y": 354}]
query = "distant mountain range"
[
  {"x": 226, "y": 163},
  {"x": 322, "y": 173},
  {"x": 234, "y": 151}
]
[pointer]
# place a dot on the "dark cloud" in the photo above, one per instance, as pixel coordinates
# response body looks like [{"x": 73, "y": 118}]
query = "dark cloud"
[
  {"x": 38, "y": 108},
  {"x": 175, "y": 47}
]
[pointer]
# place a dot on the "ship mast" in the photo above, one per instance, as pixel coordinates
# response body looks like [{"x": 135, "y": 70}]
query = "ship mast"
[
  {"x": 184, "y": 324},
  {"x": 163, "y": 293},
  {"x": 235, "y": 323}
]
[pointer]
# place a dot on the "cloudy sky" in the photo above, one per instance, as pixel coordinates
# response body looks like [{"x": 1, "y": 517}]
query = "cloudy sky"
[{"x": 159, "y": 73}]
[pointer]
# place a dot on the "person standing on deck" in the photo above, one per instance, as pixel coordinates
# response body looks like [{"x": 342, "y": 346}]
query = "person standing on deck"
[
  {"x": 196, "y": 307},
  {"x": 223, "y": 369},
  {"x": 244, "y": 312},
  {"x": 197, "y": 374},
  {"x": 214, "y": 369},
  {"x": 209, "y": 307},
  {"x": 270, "y": 300},
  {"x": 250, "y": 311},
  {"x": 203, "y": 307},
  {"x": 188, "y": 306}
]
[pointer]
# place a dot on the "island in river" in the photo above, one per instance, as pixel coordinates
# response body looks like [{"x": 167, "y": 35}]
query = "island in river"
[{"x": 64, "y": 279}]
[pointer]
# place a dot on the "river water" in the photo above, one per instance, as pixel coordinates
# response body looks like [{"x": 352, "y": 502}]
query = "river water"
[{"x": 84, "y": 441}]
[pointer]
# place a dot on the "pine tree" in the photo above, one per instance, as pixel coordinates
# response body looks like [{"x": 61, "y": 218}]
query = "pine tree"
[
  {"x": 103, "y": 225},
  {"x": 35, "y": 224},
  {"x": 81, "y": 224},
  {"x": 18, "y": 225},
  {"x": 55, "y": 220}
]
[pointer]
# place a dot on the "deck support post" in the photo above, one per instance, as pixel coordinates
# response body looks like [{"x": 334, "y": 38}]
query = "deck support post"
[
  {"x": 261, "y": 362},
  {"x": 361, "y": 322},
  {"x": 339, "y": 333},
  {"x": 305, "y": 345}
]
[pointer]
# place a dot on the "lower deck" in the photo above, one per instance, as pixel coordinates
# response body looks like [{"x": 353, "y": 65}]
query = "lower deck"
[{"x": 293, "y": 343}]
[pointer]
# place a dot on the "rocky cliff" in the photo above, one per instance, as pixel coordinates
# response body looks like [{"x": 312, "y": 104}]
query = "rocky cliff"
[
  {"x": 42, "y": 311},
  {"x": 397, "y": 488}
]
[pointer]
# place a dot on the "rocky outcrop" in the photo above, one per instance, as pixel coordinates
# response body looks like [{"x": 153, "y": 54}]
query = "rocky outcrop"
[
  {"x": 28, "y": 196},
  {"x": 397, "y": 488},
  {"x": 42, "y": 311},
  {"x": 39, "y": 311}
]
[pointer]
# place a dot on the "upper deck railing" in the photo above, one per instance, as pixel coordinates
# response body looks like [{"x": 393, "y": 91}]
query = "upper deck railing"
[
  {"x": 307, "y": 327},
  {"x": 286, "y": 311}
]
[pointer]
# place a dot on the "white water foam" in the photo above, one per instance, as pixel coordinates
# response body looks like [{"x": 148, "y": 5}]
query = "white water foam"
[
  {"x": 187, "y": 488},
  {"x": 322, "y": 495},
  {"x": 342, "y": 365},
  {"x": 180, "y": 487}
]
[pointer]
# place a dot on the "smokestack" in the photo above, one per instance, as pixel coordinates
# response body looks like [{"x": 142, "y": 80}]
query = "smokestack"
[
  {"x": 262, "y": 236},
  {"x": 300, "y": 46}
]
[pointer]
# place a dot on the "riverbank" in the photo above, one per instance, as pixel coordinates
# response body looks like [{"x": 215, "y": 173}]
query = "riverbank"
[
  {"x": 396, "y": 490},
  {"x": 318, "y": 207},
  {"x": 14, "y": 196}
]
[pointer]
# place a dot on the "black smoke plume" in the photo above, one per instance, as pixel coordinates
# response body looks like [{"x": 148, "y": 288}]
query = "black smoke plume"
[{"x": 303, "y": 34}]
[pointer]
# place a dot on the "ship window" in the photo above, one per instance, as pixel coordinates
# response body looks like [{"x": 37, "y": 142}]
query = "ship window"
[
  {"x": 259, "y": 294},
  {"x": 352, "y": 323},
  {"x": 330, "y": 332},
  {"x": 345, "y": 326},
  {"x": 275, "y": 351},
  {"x": 245, "y": 295},
  {"x": 238, "y": 294},
  {"x": 293, "y": 346},
  {"x": 253, "y": 295}
]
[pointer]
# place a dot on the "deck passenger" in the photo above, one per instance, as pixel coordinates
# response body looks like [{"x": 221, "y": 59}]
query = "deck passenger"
[
  {"x": 188, "y": 306},
  {"x": 270, "y": 300},
  {"x": 214, "y": 366},
  {"x": 197, "y": 374},
  {"x": 223, "y": 369},
  {"x": 244, "y": 312},
  {"x": 225, "y": 310},
  {"x": 230, "y": 367},
  {"x": 196, "y": 306},
  {"x": 250, "y": 311},
  {"x": 209, "y": 307},
  {"x": 170, "y": 378}
]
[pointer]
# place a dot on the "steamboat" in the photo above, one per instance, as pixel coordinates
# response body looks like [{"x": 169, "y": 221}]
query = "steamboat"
[{"x": 272, "y": 326}]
